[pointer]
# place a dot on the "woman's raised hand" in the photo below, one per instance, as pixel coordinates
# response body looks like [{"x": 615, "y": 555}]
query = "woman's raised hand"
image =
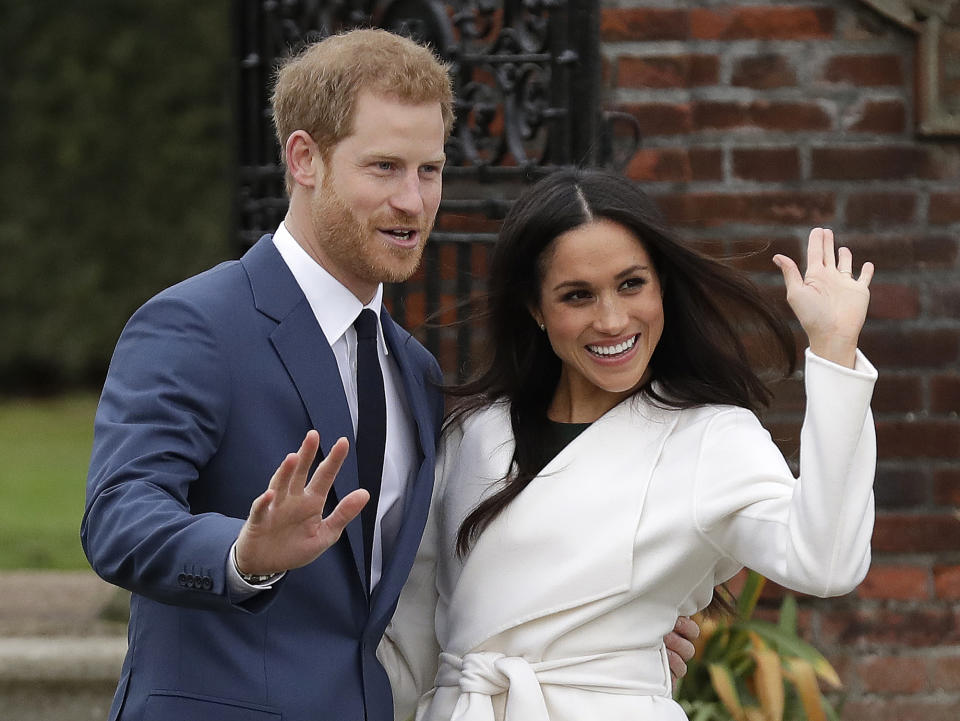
[{"x": 829, "y": 300}]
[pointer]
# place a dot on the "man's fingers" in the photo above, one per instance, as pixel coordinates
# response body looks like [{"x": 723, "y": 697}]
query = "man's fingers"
[
  {"x": 348, "y": 509},
  {"x": 678, "y": 668},
  {"x": 866, "y": 273},
  {"x": 329, "y": 467},
  {"x": 689, "y": 629},
  {"x": 281, "y": 480},
  {"x": 305, "y": 456},
  {"x": 258, "y": 509},
  {"x": 679, "y": 645}
]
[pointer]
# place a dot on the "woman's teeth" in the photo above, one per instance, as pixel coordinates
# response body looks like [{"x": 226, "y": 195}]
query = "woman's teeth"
[{"x": 609, "y": 350}]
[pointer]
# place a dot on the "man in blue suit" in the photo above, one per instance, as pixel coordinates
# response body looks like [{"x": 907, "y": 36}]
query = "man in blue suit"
[
  {"x": 256, "y": 595},
  {"x": 214, "y": 380}
]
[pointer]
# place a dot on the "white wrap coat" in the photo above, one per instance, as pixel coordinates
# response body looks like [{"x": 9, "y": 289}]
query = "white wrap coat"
[{"x": 559, "y": 610}]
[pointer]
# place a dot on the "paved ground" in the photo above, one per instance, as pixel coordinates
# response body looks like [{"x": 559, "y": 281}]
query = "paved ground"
[
  {"x": 60, "y": 652},
  {"x": 59, "y": 603}
]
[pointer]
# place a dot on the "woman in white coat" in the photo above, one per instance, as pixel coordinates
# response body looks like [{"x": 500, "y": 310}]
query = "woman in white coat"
[{"x": 606, "y": 470}]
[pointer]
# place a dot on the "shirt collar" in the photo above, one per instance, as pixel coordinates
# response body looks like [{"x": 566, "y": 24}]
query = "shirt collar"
[{"x": 334, "y": 307}]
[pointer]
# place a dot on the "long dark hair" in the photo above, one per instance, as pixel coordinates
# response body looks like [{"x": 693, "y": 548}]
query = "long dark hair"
[{"x": 709, "y": 309}]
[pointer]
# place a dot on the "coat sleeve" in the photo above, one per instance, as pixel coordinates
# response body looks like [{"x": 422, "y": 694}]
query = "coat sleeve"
[
  {"x": 161, "y": 417},
  {"x": 409, "y": 650},
  {"x": 810, "y": 533}
]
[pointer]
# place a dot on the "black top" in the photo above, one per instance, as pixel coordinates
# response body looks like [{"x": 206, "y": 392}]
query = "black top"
[{"x": 556, "y": 437}]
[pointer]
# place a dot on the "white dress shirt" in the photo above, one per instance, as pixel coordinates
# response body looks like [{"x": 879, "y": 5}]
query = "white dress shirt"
[{"x": 335, "y": 309}]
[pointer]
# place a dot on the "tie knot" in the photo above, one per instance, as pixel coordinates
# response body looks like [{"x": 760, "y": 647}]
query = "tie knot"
[{"x": 366, "y": 324}]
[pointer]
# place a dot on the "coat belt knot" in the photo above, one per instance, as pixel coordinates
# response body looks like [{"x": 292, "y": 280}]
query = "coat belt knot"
[{"x": 481, "y": 675}]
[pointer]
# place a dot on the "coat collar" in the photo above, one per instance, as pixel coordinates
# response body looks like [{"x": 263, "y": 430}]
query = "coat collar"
[{"x": 581, "y": 512}]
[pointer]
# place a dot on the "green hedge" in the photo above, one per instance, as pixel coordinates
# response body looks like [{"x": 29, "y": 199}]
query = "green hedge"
[{"x": 115, "y": 172}]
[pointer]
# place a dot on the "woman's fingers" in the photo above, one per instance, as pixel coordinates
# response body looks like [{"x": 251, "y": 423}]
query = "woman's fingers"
[
  {"x": 845, "y": 260},
  {"x": 791, "y": 273},
  {"x": 829, "y": 257}
]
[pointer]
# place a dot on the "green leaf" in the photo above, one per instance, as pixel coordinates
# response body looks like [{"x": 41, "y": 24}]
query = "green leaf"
[
  {"x": 788, "y": 615},
  {"x": 750, "y": 594}
]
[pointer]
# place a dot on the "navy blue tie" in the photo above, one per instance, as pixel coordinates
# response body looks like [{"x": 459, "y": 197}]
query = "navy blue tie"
[{"x": 371, "y": 425}]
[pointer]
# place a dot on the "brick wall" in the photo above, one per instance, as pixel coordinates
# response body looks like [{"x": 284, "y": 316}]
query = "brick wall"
[{"x": 759, "y": 122}]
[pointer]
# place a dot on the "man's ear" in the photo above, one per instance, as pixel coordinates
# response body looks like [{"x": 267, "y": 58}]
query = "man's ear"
[{"x": 303, "y": 159}]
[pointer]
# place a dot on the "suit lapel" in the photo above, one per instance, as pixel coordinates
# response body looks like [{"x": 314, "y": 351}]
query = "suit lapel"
[
  {"x": 417, "y": 501},
  {"x": 310, "y": 362}
]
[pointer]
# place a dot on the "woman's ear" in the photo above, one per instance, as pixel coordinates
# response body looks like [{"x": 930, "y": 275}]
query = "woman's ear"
[{"x": 537, "y": 316}]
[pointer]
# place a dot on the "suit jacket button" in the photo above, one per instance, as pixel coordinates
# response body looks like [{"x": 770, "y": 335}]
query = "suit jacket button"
[
  {"x": 207, "y": 583},
  {"x": 182, "y": 579},
  {"x": 189, "y": 580}
]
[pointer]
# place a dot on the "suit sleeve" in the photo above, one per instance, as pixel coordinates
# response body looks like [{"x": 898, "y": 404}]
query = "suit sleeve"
[
  {"x": 164, "y": 409},
  {"x": 810, "y": 533}
]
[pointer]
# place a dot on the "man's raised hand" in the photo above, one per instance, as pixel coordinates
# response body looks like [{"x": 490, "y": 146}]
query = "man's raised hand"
[{"x": 286, "y": 528}]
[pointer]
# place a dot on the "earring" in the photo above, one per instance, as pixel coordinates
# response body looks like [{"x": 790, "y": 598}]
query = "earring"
[{"x": 543, "y": 327}]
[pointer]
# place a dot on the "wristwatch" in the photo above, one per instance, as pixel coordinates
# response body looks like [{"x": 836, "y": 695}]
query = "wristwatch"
[{"x": 252, "y": 578}]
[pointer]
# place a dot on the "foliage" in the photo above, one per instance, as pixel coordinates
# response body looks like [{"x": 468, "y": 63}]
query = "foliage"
[
  {"x": 746, "y": 669},
  {"x": 115, "y": 182},
  {"x": 45, "y": 447}
]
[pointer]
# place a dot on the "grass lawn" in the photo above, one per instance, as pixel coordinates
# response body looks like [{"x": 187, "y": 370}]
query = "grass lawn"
[{"x": 44, "y": 452}]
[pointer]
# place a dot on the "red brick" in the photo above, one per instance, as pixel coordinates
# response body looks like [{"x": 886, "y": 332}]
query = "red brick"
[
  {"x": 642, "y": 24},
  {"x": 873, "y": 163},
  {"x": 904, "y": 252},
  {"x": 918, "y": 438},
  {"x": 661, "y": 118},
  {"x": 676, "y": 71},
  {"x": 676, "y": 164},
  {"x": 945, "y": 301},
  {"x": 900, "y": 488},
  {"x": 865, "y": 70},
  {"x": 762, "y": 23},
  {"x": 781, "y": 116},
  {"x": 898, "y": 583},
  {"x": 712, "y": 209},
  {"x": 893, "y": 301},
  {"x": 946, "y": 486},
  {"x": 946, "y": 674},
  {"x": 893, "y": 674},
  {"x": 897, "y": 393},
  {"x": 879, "y": 210},
  {"x": 878, "y": 116},
  {"x": 877, "y": 625},
  {"x": 766, "y": 164},
  {"x": 947, "y": 582},
  {"x": 944, "y": 208},
  {"x": 905, "y": 533},
  {"x": 941, "y": 161},
  {"x": 920, "y": 348},
  {"x": 945, "y": 394},
  {"x": 763, "y": 72},
  {"x": 900, "y": 709}
]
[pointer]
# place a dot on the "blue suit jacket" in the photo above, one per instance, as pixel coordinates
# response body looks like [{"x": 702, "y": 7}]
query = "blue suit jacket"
[{"x": 212, "y": 383}]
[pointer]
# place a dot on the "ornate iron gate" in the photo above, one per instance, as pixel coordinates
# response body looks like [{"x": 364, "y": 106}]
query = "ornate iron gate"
[{"x": 527, "y": 81}]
